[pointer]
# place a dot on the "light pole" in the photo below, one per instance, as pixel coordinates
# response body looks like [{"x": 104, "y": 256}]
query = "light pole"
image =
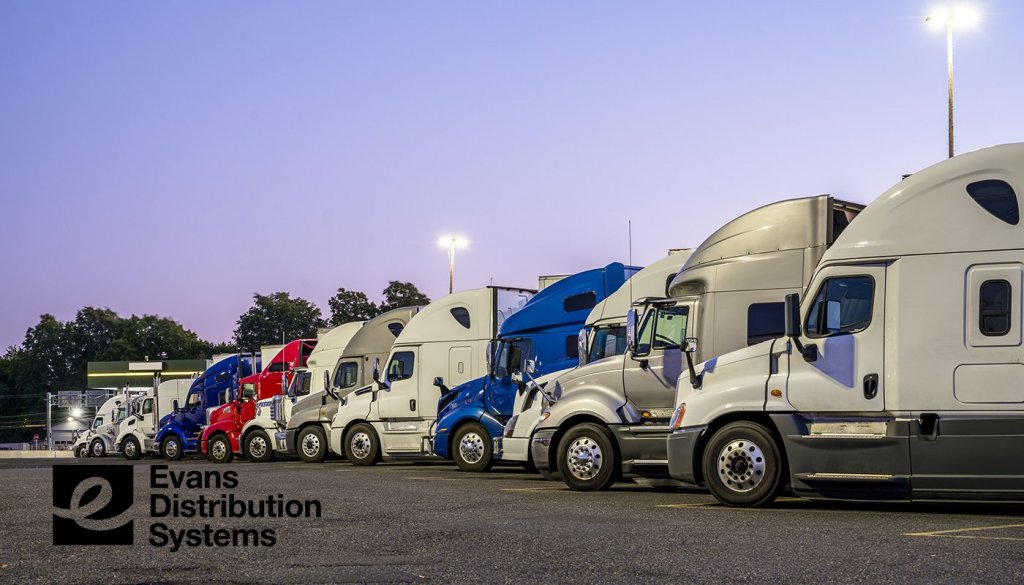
[
  {"x": 961, "y": 16},
  {"x": 451, "y": 242}
]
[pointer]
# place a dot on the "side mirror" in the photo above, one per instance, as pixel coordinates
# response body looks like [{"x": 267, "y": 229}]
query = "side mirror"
[
  {"x": 531, "y": 366},
  {"x": 376, "y": 370},
  {"x": 439, "y": 382},
  {"x": 631, "y": 318},
  {"x": 793, "y": 315},
  {"x": 581, "y": 345},
  {"x": 489, "y": 356},
  {"x": 689, "y": 347},
  {"x": 174, "y": 405}
]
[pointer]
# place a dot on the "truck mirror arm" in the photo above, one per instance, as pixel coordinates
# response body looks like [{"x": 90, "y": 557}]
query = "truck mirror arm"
[
  {"x": 696, "y": 380},
  {"x": 808, "y": 352}
]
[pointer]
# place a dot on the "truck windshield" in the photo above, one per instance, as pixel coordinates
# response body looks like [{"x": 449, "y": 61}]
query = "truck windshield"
[
  {"x": 607, "y": 341},
  {"x": 97, "y": 422},
  {"x": 511, "y": 356}
]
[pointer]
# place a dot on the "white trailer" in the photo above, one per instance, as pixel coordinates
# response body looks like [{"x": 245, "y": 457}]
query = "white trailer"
[
  {"x": 444, "y": 345},
  {"x": 901, "y": 375}
]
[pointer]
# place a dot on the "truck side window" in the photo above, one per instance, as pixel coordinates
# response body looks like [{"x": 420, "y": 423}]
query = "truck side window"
[
  {"x": 98, "y": 422},
  {"x": 400, "y": 367},
  {"x": 572, "y": 347},
  {"x": 608, "y": 341},
  {"x": 277, "y": 367},
  {"x": 643, "y": 341},
  {"x": 670, "y": 327},
  {"x": 765, "y": 321},
  {"x": 842, "y": 305},
  {"x": 194, "y": 399},
  {"x": 511, "y": 357},
  {"x": 347, "y": 375},
  {"x": 995, "y": 308},
  {"x": 147, "y": 407}
]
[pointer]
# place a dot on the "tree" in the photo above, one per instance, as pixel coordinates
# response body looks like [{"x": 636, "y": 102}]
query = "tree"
[
  {"x": 276, "y": 317},
  {"x": 402, "y": 294},
  {"x": 350, "y": 305}
]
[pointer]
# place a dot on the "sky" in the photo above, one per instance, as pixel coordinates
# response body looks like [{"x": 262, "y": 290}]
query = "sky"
[{"x": 175, "y": 158}]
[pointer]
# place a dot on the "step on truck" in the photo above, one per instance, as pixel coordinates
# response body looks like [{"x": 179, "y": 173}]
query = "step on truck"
[
  {"x": 303, "y": 417},
  {"x": 900, "y": 374},
  {"x": 602, "y": 335},
  {"x": 443, "y": 346},
  {"x": 257, "y": 434},
  {"x": 612, "y": 417},
  {"x": 180, "y": 430},
  {"x": 137, "y": 433},
  {"x": 545, "y": 330},
  {"x": 220, "y": 439},
  {"x": 98, "y": 439}
]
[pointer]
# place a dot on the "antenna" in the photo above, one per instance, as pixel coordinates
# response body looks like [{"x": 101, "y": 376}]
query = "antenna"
[{"x": 629, "y": 230}]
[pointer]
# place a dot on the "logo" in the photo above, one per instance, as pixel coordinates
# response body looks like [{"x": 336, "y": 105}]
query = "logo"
[{"x": 92, "y": 503}]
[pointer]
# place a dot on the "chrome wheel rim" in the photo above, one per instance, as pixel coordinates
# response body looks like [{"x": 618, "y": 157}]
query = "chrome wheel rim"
[
  {"x": 97, "y": 449},
  {"x": 171, "y": 449},
  {"x": 471, "y": 448},
  {"x": 129, "y": 448},
  {"x": 585, "y": 458},
  {"x": 360, "y": 445},
  {"x": 219, "y": 450},
  {"x": 741, "y": 465},
  {"x": 311, "y": 445},
  {"x": 257, "y": 447}
]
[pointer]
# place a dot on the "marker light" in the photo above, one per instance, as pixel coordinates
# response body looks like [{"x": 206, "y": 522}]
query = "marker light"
[{"x": 677, "y": 416}]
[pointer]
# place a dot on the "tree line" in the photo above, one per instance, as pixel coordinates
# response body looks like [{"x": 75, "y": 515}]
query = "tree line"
[{"x": 54, "y": 354}]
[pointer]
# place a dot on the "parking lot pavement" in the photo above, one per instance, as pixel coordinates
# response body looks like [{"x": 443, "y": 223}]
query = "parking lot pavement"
[{"x": 433, "y": 524}]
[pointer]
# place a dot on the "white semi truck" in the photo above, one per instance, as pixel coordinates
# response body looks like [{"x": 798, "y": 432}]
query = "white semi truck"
[
  {"x": 257, "y": 434},
  {"x": 603, "y": 335},
  {"x": 612, "y": 417},
  {"x": 136, "y": 432},
  {"x": 901, "y": 373},
  {"x": 444, "y": 345},
  {"x": 98, "y": 440}
]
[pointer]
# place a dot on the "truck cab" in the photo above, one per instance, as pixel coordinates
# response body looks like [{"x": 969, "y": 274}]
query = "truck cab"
[
  {"x": 546, "y": 331},
  {"x": 899, "y": 377},
  {"x": 612, "y": 417},
  {"x": 603, "y": 335},
  {"x": 137, "y": 432},
  {"x": 98, "y": 440},
  {"x": 443, "y": 346},
  {"x": 180, "y": 430},
  {"x": 220, "y": 438},
  {"x": 303, "y": 418}
]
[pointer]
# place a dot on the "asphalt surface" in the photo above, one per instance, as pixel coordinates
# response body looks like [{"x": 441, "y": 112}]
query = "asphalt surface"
[{"x": 406, "y": 523}]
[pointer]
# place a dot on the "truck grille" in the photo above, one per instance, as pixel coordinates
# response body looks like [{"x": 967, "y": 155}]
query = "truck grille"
[{"x": 276, "y": 412}]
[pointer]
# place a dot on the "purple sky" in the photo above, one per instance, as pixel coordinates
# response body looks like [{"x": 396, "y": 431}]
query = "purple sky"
[{"x": 173, "y": 158}]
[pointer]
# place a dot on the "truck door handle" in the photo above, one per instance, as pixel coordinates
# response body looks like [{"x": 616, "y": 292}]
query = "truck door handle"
[
  {"x": 412, "y": 404},
  {"x": 870, "y": 386}
]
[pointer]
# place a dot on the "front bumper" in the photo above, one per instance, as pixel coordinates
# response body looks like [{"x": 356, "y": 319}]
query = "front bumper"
[
  {"x": 540, "y": 448},
  {"x": 512, "y": 449},
  {"x": 682, "y": 454}
]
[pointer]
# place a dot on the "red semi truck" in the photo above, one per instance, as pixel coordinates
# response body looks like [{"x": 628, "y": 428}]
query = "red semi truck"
[{"x": 219, "y": 441}]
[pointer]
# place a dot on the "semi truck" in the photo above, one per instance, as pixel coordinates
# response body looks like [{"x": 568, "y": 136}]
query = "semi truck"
[
  {"x": 219, "y": 440},
  {"x": 443, "y": 346},
  {"x": 603, "y": 335},
  {"x": 546, "y": 331},
  {"x": 304, "y": 421},
  {"x": 612, "y": 418},
  {"x": 900, "y": 373},
  {"x": 136, "y": 434},
  {"x": 98, "y": 439},
  {"x": 256, "y": 436},
  {"x": 220, "y": 383}
]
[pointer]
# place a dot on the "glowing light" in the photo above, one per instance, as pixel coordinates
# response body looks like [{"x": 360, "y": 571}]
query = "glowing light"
[
  {"x": 958, "y": 16},
  {"x": 452, "y": 242}
]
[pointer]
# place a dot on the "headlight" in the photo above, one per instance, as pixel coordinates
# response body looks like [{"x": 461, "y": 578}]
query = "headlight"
[
  {"x": 544, "y": 415},
  {"x": 510, "y": 426},
  {"x": 677, "y": 416}
]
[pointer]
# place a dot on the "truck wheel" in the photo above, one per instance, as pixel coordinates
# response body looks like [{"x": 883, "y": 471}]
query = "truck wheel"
[
  {"x": 82, "y": 450},
  {"x": 257, "y": 447},
  {"x": 171, "y": 448},
  {"x": 218, "y": 449},
  {"x": 311, "y": 444},
  {"x": 131, "y": 449},
  {"x": 742, "y": 465},
  {"x": 471, "y": 448},
  {"x": 362, "y": 447},
  {"x": 97, "y": 448},
  {"x": 587, "y": 459}
]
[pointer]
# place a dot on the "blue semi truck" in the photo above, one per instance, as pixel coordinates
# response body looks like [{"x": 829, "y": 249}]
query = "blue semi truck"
[
  {"x": 179, "y": 431},
  {"x": 546, "y": 331}
]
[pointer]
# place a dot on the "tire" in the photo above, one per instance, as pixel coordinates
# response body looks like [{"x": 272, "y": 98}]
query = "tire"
[
  {"x": 218, "y": 449},
  {"x": 82, "y": 451},
  {"x": 362, "y": 446},
  {"x": 171, "y": 448},
  {"x": 743, "y": 466},
  {"x": 311, "y": 444},
  {"x": 586, "y": 458},
  {"x": 97, "y": 448},
  {"x": 471, "y": 448},
  {"x": 131, "y": 448},
  {"x": 257, "y": 447}
]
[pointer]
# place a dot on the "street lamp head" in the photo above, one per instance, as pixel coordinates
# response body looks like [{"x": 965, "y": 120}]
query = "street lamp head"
[
  {"x": 959, "y": 16},
  {"x": 452, "y": 242},
  {"x": 76, "y": 412}
]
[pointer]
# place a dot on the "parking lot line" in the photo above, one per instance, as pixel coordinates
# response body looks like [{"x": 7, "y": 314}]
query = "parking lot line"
[
  {"x": 536, "y": 489},
  {"x": 953, "y": 533},
  {"x": 420, "y": 478},
  {"x": 717, "y": 506}
]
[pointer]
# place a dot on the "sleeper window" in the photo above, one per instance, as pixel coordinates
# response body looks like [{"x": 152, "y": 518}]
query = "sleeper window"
[
  {"x": 996, "y": 197},
  {"x": 994, "y": 318}
]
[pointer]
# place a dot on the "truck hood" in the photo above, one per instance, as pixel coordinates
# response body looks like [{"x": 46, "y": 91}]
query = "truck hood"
[
  {"x": 726, "y": 369},
  {"x": 570, "y": 379},
  {"x": 311, "y": 402}
]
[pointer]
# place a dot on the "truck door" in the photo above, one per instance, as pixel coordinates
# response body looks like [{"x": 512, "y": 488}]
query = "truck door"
[
  {"x": 844, "y": 321},
  {"x": 401, "y": 400},
  {"x": 147, "y": 420},
  {"x": 649, "y": 375}
]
